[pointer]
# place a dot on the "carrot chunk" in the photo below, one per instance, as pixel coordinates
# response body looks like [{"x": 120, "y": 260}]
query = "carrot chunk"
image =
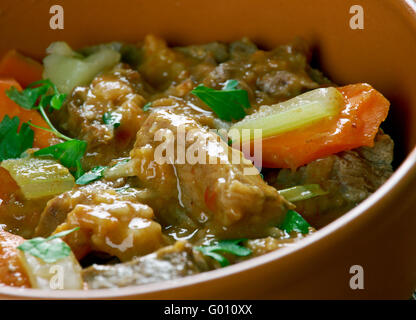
[
  {"x": 23, "y": 69},
  {"x": 7, "y": 186},
  {"x": 12, "y": 272}
]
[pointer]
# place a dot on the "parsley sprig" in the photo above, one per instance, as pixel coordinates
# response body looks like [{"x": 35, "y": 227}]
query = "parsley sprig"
[
  {"x": 228, "y": 104},
  {"x": 230, "y": 246},
  {"x": 46, "y": 249},
  {"x": 37, "y": 92},
  {"x": 12, "y": 142},
  {"x": 68, "y": 153},
  {"x": 41, "y": 95}
]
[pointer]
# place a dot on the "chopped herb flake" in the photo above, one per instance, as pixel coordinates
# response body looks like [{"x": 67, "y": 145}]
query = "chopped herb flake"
[
  {"x": 93, "y": 175},
  {"x": 147, "y": 106},
  {"x": 46, "y": 249},
  {"x": 294, "y": 222},
  {"x": 230, "y": 246},
  {"x": 228, "y": 104},
  {"x": 68, "y": 153},
  {"x": 112, "y": 119}
]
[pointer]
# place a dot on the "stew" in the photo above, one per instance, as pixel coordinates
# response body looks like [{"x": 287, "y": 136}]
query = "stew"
[{"x": 126, "y": 164}]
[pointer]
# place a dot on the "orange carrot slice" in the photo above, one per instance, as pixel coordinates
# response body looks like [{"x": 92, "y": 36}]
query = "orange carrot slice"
[
  {"x": 23, "y": 69},
  {"x": 7, "y": 186},
  {"x": 12, "y": 272}
]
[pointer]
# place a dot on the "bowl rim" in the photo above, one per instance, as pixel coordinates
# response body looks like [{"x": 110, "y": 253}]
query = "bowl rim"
[{"x": 401, "y": 177}]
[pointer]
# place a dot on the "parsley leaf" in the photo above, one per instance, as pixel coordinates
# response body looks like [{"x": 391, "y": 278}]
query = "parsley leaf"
[
  {"x": 231, "y": 85},
  {"x": 230, "y": 246},
  {"x": 112, "y": 118},
  {"x": 68, "y": 153},
  {"x": 55, "y": 101},
  {"x": 46, "y": 249},
  {"x": 93, "y": 175},
  {"x": 228, "y": 103},
  {"x": 12, "y": 142},
  {"x": 97, "y": 173},
  {"x": 28, "y": 97},
  {"x": 294, "y": 222}
]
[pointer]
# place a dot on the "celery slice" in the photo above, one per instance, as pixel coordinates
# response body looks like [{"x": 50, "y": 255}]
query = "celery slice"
[
  {"x": 38, "y": 178},
  {"x": 295, "y": 113},
  {"x": 304, "y": 192}
]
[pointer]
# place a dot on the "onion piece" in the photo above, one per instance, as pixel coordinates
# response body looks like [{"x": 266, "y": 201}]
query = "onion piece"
[
  {"x": 68, "y": 69},
  {"x": 62, "y": 274}
]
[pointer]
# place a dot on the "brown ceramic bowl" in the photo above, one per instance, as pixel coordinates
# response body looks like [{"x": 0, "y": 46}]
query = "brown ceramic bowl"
[{"x": 379, "y": 234}]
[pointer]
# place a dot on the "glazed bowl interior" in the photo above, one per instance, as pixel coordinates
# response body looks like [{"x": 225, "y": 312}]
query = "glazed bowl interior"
[{"x": 381, "y": 54}]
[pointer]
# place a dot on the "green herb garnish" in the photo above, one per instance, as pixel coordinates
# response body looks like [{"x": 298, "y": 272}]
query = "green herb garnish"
[
  {"x": 230, "y": 246},
  {"x": 68, "y": 153},
  {"x": 46, "y": 249},
  {"x": 93, "y": 175},
  {"x": 147, "y": 106},
  {"x": 12, "y": 142},
  {"x": 228, "y": 104},
  {"x": 38, "y": 96},
  {"x": 27, "y": 98},
  {"x": 37, "y": 92},
  {"x": 294, "y": 222},
  {"x": 112, "y": 119},
  {"x": 97, "y": 173}
]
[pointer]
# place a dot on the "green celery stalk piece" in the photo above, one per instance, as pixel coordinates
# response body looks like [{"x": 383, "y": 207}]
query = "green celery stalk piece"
[
  {"x": 304, "y": 192},
  {"x": 287, "y": 116},
  {"x": 38, "y": 178}
]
